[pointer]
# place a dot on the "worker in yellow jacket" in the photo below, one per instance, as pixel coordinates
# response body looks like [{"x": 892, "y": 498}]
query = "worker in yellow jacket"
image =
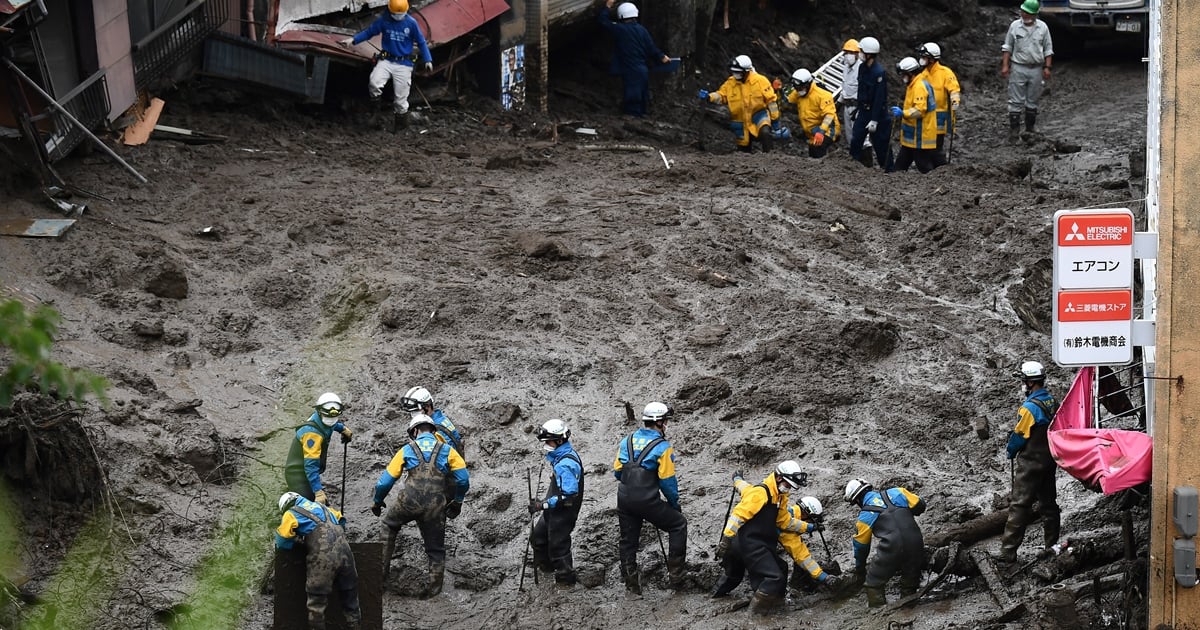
[
  {"x": 817, "y": 112},
  {"x": 753, "y": 105},
  {"x": 947, "y": 91},
  {"x": 918, "y": 119}
]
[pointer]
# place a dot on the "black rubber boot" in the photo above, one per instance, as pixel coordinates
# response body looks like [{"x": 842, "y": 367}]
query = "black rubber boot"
[
  {"x": 1014, "y": 126},
  {"x": 629, "y": 571},
  {"x": 676, "y": 571},
  {"x": 437, "y": 572},
  {"x": 724, "y": 586},
  {"x": 1011, "y": 541},
  {"x": 1030, "y": 120},
  {"x": 1052, "y": 528},
  {"x": 764, "y": 603},
  {"x": 875, "y": 596}
]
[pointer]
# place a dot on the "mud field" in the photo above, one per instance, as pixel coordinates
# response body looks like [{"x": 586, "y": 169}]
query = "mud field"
[{"x": 788, "y": 308}]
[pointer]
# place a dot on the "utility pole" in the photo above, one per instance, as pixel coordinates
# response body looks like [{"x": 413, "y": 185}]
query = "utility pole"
[{"x": 1177, "y": 400}]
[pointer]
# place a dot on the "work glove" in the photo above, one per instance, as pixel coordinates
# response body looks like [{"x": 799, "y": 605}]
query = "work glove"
[
  {"x": 702, "y": 95},
  {"x": 723, "y": 546},
  {"x": 737, "y": 474},
  {"x": 428, "y": 66},
  {"x": 955, "y": 101},
  {"x": 832, "y": 583},
  {"x": 816, "y": 526},
  {"x": 776, "y": 126},
  {"x": 349, "y": 41},
  {"x": 872, "y": 126},
  {"x": 346, "y": 435},
  {"x": 860, "y": 574},
  {"x": 536, "y": 506},
  {"x": 896, "y": 111},
  {"x": 454, "y": 509},
  {"x": 777, "y": 85},
  {"x": 319, "y": 497},
  {"x": 818, "y": 139},
  {"x": 377, "y": 509}
]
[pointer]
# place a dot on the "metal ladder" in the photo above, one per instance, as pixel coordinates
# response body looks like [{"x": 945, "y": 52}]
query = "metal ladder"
[{"x": 831, "y": 75}]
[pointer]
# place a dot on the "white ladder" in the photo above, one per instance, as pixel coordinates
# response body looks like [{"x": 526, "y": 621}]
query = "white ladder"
[{"x": 831, "y": 75}]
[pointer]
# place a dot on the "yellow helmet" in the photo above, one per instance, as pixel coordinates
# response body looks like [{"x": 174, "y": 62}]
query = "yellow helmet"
[
  {"x": 398, "y": 6},
  {"x": 851, "y": 45}
]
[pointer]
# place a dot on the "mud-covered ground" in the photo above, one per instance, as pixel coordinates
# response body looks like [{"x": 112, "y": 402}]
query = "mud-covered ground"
[{"x": 788, "y": 308}]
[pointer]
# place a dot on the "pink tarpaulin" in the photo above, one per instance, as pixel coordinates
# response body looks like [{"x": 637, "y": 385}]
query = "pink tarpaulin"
[{"x": 1110, "y": 459}]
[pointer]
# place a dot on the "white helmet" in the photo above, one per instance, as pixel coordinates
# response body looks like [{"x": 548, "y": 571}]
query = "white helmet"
[
  {"x": 908, "y": 64},
  {"x": 554, "y": 429},
  {"x": 740, "y": 65},
  {"x": 869, "y": 46},
  {"x": 1031, "y": 371},
  {"x": 415, "y": 398},
  {"x": 930, "y": 49},
  {"x": 656, "y": 412},
  {"x": 287, "y": 500},
  {"x": 417, "y": 420},
  {"x": 329, "y": 407},
  {"x": 855, "y": 488},
  {"x": 626, "y": 10},
  {"x": 812, "y": 506},
  {"x": 802, "y": 77},
  {"x": 790, "y": 472}
]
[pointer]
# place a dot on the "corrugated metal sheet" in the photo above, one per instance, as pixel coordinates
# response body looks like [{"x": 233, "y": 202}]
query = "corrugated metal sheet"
[
  {"x": 240, "y": 59},
  {"x": 567, "y": 10}
]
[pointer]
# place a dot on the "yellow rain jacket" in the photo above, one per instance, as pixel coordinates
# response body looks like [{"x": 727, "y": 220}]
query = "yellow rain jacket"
[
  {"x": 816, "y": 110},
  {"x": 918, "y": 123},
  {"x": 946, "y": 89},
  {"x": 752, "y": 104}
]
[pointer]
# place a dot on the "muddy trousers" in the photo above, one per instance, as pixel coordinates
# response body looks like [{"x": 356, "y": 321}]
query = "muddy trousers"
[
  {"x": 1025, "y": 85},
  {"x": 660, "y": 514},
  {"x": 635, "y": 100},
  {"x": 551, "y": 542},
  {"x": 432, "y": 525},
  {"x": 1032, "y": 483},
  {"x": 401, "y": 76},
  {"x": 318, "y": 602},
  {"x": 906, "y": 560},
  {"x": 925, "y": 159},
  {"x": 331, "y": 567},
  {"x": 767, "y": 572},
  {"x": 881, "y": 140}
]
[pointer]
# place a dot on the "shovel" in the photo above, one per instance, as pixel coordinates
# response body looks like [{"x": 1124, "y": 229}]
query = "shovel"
[{"x": 834, "y": 568}]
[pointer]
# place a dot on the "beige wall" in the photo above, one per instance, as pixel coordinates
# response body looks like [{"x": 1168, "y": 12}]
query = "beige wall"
[{"x": 114, "y": 54}]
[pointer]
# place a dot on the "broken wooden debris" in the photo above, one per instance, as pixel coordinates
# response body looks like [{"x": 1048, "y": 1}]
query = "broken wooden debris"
[
  {"x": 970, "y": 532},
  {"x": 1009, "y": 608},
  {"x": 139, "y": 132},
  {"x": 628, "y": 148},
  {"x": 911, "y": 600},
  {"x": 187, "y": 136}
]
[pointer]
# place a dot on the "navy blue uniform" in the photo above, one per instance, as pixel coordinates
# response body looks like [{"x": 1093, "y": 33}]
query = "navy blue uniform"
[
  {"x": 872, "y": 105},
  {"x": 634, "y": 49}
]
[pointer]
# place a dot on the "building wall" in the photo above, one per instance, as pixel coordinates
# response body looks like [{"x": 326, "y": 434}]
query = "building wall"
[{"x": 114, "y": 52}]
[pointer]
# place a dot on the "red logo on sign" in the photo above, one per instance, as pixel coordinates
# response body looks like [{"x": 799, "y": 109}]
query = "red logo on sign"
[
  {"x": 1095, "y": 306},
  {"x": 1095, "y": 229}
]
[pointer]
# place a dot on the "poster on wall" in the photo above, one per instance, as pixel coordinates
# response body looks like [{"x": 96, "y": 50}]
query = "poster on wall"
[{"x": 512, "y": 77}]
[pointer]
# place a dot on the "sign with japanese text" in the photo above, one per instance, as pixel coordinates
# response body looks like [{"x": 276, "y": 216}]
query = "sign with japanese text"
[
  {"x": 1093, "y": 327},
  {"x": 1093, "y": 249}
]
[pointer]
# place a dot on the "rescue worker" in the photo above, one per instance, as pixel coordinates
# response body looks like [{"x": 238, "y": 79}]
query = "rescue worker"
[
  {"x": 1035, "y": 467},
  {"x": 888, "y": 517},
  {"x": 751, "y": 533},
  {"x": 395, "y": 60},
  {"x": 551, "y": 536},
  {"x": 309, "y": 450},
  {"x": 1025, "y": 60},
  {"x": 804, "y": 517},
  {"x": 947, "y": 92},
  {"x": 753, "y": 105},
  {"x": 816, "y": 111},
  {"x": 419, "y": 400},
  {"x": 645, "y": 467},
  {"x": 423, "y": 498},
  {"x": 918, "y": 119},
  {"x": 873, "y": 120},
  {"x": 634, "y": 47},
  {"x": 848, "y": 98},
  {"x": 329, "y": 562}
]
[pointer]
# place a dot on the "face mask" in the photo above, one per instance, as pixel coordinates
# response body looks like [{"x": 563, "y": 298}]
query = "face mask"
[
  {"x": 923, "y": 61},
  {"x": 906, "y": 78},
  {"x": 849, "y": 58},
  {"x": 1027, "y": 20},
  {"x": 399, "y": 16},
  {"x": 546, "y": 447},
  {"x": 1024, "y": 391}
]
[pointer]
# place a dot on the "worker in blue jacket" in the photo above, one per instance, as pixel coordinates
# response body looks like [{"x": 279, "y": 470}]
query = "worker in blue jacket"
[
  {"x": 888, "y": 519},
  {"x": 423, "y": 498},
  {"x": 1033, "y": 480},
  {"x": 395, "y": 60},
  {"x": 551, "y": 535},
  {"x": 419, "y": 400},
  {"x": 634, "y": 48},
  {"x": 873, "y": 117},
  {"x": 645, "y": 467},
  {"x": 310, "y": 448},
  {"x": 329, "y": 562}
]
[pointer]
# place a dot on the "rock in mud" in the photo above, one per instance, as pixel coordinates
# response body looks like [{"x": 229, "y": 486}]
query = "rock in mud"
[
  {"x": 535, "y": 245},
  {"x": 871, "y": 340},
  {"x": 703, "y": 391},
  {"x": 168, "y": 281},
  {"x": 708, "y": 335},
  {"x": 502, "y": 413},
  {"x": 1031, "y": 298}
]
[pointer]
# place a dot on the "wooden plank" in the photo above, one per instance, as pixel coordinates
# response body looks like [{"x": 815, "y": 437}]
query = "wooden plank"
[{"x": 139, "y": 132}]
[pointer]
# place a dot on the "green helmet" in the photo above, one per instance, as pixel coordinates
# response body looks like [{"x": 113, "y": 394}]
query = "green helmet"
[{"x": 1031, "y": 6}]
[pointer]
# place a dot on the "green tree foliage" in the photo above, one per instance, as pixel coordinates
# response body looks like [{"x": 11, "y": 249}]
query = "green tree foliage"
[{"x": 25, "y": 342}]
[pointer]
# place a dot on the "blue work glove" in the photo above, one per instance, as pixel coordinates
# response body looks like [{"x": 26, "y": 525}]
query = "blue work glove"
[
  {"x": 775, "y": 125},
  {"x": 896, "y": 111},
  {"x": 702, "y": 94}
]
